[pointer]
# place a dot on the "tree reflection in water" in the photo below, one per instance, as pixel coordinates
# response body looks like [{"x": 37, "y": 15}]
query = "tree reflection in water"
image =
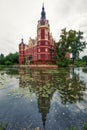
[
  {"x": 69, "y": 86},
  {"x": 84, "y": 70},
  {"x": 45, "y": 83}
]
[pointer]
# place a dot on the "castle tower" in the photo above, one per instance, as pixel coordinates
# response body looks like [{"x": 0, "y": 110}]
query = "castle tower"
[
  {"x": 21, "y": 52},
  {"x": 45, "y": 42}
]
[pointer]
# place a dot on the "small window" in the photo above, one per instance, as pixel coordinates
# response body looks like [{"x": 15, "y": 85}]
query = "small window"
[
  {"x": 46, "y": 49},
  {"x": 46, "y": 43},
  {"x": 39, "y": 56},
  {"x": 39, "y": 50}
]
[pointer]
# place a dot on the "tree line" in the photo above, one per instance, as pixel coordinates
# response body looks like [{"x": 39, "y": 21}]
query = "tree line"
[{"x": 10, "y": 59}]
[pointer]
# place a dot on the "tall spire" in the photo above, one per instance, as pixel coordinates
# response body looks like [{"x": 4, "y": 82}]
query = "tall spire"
[
  {"x": 43, "y": 14},
  {"x": 22, "y": 40}
]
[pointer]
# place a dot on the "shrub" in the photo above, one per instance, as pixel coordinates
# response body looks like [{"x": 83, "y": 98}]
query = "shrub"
[{"x": 8, "y": 63}]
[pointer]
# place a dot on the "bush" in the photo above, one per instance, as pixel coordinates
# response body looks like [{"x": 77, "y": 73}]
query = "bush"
[
  {"x": 63, "y": 64},
  {"x": 8, "y": 63},
  {"x": 80, "y": 64}
]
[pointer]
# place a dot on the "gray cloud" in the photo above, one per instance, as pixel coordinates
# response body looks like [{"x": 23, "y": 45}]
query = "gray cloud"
[{"x": 19, "y": 17}]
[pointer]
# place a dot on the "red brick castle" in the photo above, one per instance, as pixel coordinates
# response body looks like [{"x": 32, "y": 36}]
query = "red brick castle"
[{"x": 40, "y": 50}]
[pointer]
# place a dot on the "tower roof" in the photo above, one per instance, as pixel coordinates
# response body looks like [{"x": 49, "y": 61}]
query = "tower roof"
[
  {"x": 22, "y": 41},
  {"x": 43, "y": 14}
]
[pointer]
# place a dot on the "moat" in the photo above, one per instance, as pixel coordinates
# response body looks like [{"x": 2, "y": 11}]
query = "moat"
[{"x": 43, "y": 99}]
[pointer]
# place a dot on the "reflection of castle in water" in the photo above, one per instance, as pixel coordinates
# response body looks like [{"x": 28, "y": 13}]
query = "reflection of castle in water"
[
  {"x": 44, "y": 106},
  {"x": 45, "y": 83},
  {"x": 39, "y": 82}
]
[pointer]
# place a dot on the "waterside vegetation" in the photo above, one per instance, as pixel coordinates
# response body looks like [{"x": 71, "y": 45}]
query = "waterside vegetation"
[{"x": 10, "y": 59}]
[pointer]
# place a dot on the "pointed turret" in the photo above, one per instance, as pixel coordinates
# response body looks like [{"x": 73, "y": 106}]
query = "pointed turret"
[
  {"x": 21, "y": 51},
  {"x": 22, "y": 40},
  {"x": 43, "y": 14}
]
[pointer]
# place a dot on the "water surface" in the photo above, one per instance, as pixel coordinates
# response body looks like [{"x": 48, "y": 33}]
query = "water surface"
[{"x": 44, "y": 99}]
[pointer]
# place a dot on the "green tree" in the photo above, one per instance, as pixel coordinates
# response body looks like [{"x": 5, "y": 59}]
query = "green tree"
[
  {"x": 1, "y": 59},
  {"x": 10, "y": 59},
  {"x": 76, "y": 42},
  {"x": 84, "y": 58},
  {"x": 62, "y": 47},
  {"x": 70, "y": 41}
]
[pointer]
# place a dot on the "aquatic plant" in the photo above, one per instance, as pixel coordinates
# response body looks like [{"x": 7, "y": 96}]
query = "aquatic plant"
[
  {"x": 85, "y": 126},
  {"x": 3, "y": 126},
  {"x": 74, "y": 127}
]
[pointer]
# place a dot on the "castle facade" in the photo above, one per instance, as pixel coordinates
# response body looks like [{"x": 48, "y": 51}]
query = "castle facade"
[{"x": 40, "y": 50}]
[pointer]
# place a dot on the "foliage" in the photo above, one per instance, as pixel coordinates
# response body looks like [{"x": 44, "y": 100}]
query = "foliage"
[
  {"x": 1, "y": 67},
  {"x": 63, "y": 64},
  {"x": 80, "y": 64},
  {"x": 76, "y": 43},
  {"x": 84, "y": 70},
  {"x": 8, "y": 62},
  {"x": 10, "y": 59},
  {"x": 85, "y": 126},
  {"x": 62, "y": 47},
  {"x": 2, "y": 59},
  {"x": 70, "y": 89},
  {"x": 74, "y": 128},
  {"x": 3, "y": 126},
  {"x": 70, "y": 41},
  {"x": 84, "y": 58}
]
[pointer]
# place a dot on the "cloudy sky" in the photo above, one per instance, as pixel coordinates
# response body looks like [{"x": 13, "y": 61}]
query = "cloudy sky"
[{"x": 19, "y": 17}]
